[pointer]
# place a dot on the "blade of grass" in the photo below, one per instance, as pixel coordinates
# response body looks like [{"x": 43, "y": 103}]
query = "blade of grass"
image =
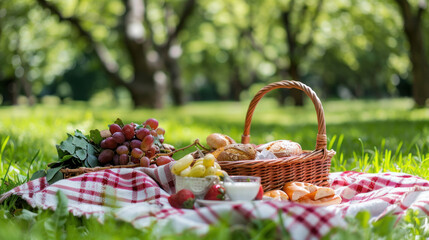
[{"x": 31, "y": 162}]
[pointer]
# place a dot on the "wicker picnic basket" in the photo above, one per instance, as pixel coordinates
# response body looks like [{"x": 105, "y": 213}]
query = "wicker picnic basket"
[{"x": 310, "y": 166}]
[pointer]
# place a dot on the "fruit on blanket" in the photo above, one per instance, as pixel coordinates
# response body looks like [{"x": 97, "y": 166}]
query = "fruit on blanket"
[
  {"x": 260, "y": 194},
  {"x": 142, "y": 132},
  {"x": 128, "y": 131},
  {"x": 119, "y": 137},
  {"x": 144, "y": 162},
  {"x": 147, "y": 142},
  {"x": 210, "y": 171},
  {"x": 182, "y": 199},
  {"x": 106, "y": 156},
  {"x": 197, "y": 171},
  {"x": 122, "y": 150},
  {"x": 209, "y": 160},
  {"x": 137, "y": 153},
  {"x": 124, "y": 159},
  {"x": 215, "y": 192},
  {"x": 162, "y": 160},
  {"x": 135, "y": 141},
  {"x": 160, "y": 131},
  {"x": 182, "y": 164},
  {"x": 185, "y": 172},
  {"x": 202, "y": 167},
  {"x": 115, "y": 128},
  {"x": 152, "y": 123},
  {"x": 108, "y": 143}
]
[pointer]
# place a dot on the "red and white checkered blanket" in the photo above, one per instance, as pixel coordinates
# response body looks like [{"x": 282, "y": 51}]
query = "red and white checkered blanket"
[{"x": 141, "y": 195}]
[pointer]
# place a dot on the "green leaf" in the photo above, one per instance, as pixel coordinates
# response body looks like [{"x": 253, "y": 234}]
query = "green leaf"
[
  {"x": 27, "y": 215},
  {"x": 92, "y": 161},
  {"x": 91, "y": 150},
  {"x": 363, "y": 218},
  {"x": 54, "y": 226},
  {"x": 119, "y": 122},
  {"x": 86, "y": 164},
  {"x": 68, "y": 146},
  {"x": 95, "y": 136},
  {"x": 60, "y": 152},
  {"x": 79, "y": 134},
  {"x": 81, "y": 154},
  {"x": 50, "y": 173},
  {"x": 384, "y": 226},
  {"x": 79, "y": 142},
  {"x": 38, "y": 174},
  {"x": 65, "y": 158},
  {"x": 58, "y": 176}
]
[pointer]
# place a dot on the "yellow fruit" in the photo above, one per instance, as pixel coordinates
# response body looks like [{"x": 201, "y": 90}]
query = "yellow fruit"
[
  {"x": 181, "y": 164},
  {"x": 199, "y": 161},
  {"x": 185, "y": 172},
  {"x": 216, "y": 165},
  {"x": 219, "y": 173},
  {"x": 197, "y": 171},
  {"x": 210, "y": 171},
  {"x": 209, "y": 160}
]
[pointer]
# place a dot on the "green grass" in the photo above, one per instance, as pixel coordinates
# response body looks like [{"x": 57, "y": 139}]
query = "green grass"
[{"x": 368, "y": 136}]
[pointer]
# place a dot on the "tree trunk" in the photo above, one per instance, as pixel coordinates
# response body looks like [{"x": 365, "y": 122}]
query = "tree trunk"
[
  {"x": 172, "y": 66},
  {"x": 420, "y": 67},
  {"x": 295, "y": 93},
  {"x": 235, "y": 84},
  {"x": 418, "y": 58}
]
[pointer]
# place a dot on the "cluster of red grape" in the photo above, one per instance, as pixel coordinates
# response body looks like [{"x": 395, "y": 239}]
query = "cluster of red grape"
[{"x": 133, "y": 144}]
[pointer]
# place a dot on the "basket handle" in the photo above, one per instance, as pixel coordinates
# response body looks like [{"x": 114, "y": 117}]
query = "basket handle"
[{"x": 321, "y": 141}]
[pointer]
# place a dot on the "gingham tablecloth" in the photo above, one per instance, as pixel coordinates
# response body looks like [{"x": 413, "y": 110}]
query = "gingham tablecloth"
[{"x": 139, "y": 196}]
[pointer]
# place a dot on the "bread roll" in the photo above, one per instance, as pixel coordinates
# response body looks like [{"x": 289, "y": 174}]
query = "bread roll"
[
  {"x": 277, "y": 195},
  {"x": 296, "y": 190},
  {"x": 311, "y": 194},
  {"x": 326, "y": 201},
  {"x": 282, "y": 148},
  {"x": 236, "y": 152},
  {"x": 217, "y": 140}
]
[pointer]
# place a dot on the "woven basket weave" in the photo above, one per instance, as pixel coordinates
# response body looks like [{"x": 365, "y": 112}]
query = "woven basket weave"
[{"x": 310, "y": 166}]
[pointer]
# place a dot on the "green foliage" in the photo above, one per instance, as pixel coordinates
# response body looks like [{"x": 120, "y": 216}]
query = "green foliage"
[
  {"x": 74, "y": 152},
  {"x": 388, "y": 227}
]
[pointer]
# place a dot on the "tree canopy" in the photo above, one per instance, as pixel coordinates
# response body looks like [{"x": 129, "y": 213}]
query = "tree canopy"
[{"x": 173, "y": 51}]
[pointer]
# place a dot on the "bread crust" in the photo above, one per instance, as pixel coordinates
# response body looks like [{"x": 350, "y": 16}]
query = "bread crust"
[
  {"x": 282, "y": 148},
  {"x": 277, "y": 195},
  {"x": 326, "y": 201},
  {"x": 236, "y": 152},
  {"x": 218, "y": 140},
  {"x": 311, "y": 194}
]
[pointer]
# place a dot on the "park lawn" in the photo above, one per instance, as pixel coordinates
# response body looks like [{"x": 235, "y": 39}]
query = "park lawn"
[{"x": 368, "y": 136}]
